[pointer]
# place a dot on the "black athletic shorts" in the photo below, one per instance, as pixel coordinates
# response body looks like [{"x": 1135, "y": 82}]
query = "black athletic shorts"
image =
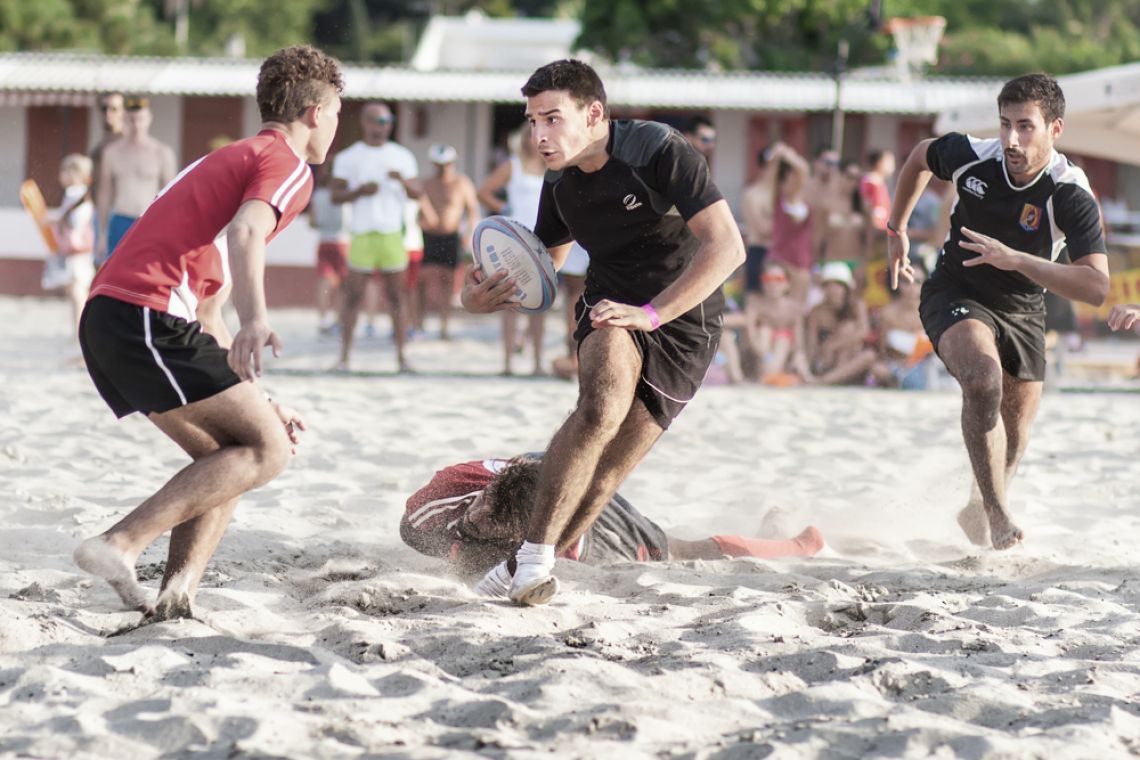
[
  {"x": 754, "y": 259},
  {"x": 147, "y": 361},
  {"x": 674, "y": 358},
  {"x": 1020, "y": 335},
  {"x": 441, "y": 250},
  {"x": 622, "y": 534}
]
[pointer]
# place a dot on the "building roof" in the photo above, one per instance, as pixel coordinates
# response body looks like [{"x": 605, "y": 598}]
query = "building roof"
[
  {"x": 1102, "y": 114},
  {"x": 62, "y": 78},
  {"x": 476, "y": 42}
]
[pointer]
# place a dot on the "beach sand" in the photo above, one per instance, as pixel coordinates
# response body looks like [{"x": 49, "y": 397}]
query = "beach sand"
[{"x": 321, "y": 635}]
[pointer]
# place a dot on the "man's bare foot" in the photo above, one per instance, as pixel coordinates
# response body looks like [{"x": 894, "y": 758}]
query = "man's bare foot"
[
  {"x": 404, "y": 368},
  {"x": 340, "y": 366},
  {"x": 1002, "y": 530},
  {"x": 171, "y": 605},
  {"x": 98, "y": 557},
  {"x": 972, "y": 520}
]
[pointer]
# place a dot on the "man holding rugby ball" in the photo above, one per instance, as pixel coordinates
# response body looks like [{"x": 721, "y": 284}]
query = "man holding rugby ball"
[{"x": 662, "y": 240}]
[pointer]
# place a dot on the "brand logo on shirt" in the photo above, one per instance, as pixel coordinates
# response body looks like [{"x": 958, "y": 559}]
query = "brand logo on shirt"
[
  {"x": 959, "y": 311},
  {"x": 631, "y": 202},
  {"x": 975, "y": 187},
  {"x": 1030, "y": 217}
]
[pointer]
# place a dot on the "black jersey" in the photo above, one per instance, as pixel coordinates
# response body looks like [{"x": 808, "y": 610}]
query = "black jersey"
[
  {"x": 1055, "y": 210},
  {"x": 631, "y": 214}
]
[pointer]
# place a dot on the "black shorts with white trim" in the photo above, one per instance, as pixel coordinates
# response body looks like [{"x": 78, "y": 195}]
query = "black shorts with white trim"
[
  {"x": 147, "y": 361},
  {"x": 674, "y": 358}
]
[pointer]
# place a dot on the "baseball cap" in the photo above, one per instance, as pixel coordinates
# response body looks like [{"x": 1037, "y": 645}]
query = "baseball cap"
[
  {"x": 441, "y": 154},
  {"x": 837, "y": 271}
]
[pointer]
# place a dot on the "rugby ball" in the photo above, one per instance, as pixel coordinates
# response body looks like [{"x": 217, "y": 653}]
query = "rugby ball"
[{"x": 502, "y": 243}]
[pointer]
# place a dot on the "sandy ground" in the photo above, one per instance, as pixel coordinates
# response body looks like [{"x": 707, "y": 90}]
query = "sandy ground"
[{"x": 321, "y": 635}]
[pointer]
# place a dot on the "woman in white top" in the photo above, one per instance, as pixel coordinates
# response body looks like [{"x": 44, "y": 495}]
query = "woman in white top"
[
  {"x": 71, "y": 266},
  {"x": 521, "y": 175}
]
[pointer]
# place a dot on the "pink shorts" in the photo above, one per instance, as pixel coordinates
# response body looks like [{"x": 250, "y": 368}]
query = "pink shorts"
[{"x": 332, "y": 261}]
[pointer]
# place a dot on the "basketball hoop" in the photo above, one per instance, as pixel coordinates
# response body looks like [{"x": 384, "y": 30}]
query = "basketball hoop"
[{"x": 916, "y": 42}]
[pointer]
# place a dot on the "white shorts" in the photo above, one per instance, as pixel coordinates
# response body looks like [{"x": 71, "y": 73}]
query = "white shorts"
[{"x": 61, "y": 271}]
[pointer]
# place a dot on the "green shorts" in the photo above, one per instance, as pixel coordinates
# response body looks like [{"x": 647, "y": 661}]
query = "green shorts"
[{"x": 378, "y": 251}]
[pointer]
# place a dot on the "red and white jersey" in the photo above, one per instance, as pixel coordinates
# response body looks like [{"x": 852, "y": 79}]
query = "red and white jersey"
[{"x": 175, "y": 255}]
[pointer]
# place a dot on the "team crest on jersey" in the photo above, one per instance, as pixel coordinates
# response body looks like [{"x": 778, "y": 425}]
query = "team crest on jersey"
[{"x": 1030, "y": 217}]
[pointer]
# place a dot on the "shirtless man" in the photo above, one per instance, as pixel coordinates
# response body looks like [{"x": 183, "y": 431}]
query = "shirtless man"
[
  {"x": 454, "y": 207},
  {"x": 131, "y": 173},
  {"x": 111, "y": 106},
  {"x": 756, "y": 205}
]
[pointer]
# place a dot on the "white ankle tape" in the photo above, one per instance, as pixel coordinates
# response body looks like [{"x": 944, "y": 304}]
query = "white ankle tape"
[{"x": 536, "y": 554}]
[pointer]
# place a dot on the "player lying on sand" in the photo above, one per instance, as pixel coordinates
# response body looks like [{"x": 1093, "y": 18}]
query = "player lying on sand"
[{"x": 475, "y": 515}]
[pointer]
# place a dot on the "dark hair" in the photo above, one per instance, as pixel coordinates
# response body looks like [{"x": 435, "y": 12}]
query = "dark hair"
[
  {"x": 875, "y": 156},
  {"x": 511, "y": 494},
  {"x": 697, "y": 122},
  {"x": 1041, "y": 89},
  {"x": 573, "y": 76},
  {"x": 294, "y": 78},
  {"x": 763, "y": 156}
]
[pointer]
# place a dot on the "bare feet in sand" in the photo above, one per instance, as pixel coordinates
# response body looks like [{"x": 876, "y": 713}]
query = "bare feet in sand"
[
  {"x": 1003, "y": 533},
  {"x": 174, "y": 601},
  {"x": 98, "y": 557},
  {"x": 974, "y": 524}
]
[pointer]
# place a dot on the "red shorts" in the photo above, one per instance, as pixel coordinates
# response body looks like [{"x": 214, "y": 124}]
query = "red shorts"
[
  {"x": 332, "y": 261},
  {"x": 415, "y": 264}
]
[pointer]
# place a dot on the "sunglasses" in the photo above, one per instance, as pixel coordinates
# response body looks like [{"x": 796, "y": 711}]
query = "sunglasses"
[
  {"x": 383, "y": 120},
  {"x": 773, "y": 278},
  {"x": 707, "y": 140}
]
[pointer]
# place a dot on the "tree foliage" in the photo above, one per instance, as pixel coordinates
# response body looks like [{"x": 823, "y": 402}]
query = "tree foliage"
[{"x": 982, "y": 37}]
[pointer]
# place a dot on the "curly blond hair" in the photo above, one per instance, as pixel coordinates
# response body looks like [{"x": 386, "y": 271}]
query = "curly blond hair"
[{"x": 294, "y": 78}]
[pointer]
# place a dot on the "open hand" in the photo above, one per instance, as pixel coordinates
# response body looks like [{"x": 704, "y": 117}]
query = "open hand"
[
  {"x": 607, "y": 313},
  {"x": 990, "y": 251},
  {"x": 1124, "y": 316},
  {"x": 898, "y": 258},
  {"x": 247, "y": 345},
  {"x": 482, "y": 295}
]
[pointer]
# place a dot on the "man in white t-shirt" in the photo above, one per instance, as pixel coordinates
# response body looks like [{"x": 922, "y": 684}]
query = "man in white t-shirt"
[{"x": 376, "y": 176}]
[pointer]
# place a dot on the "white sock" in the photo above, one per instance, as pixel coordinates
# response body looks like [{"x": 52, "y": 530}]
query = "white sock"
[{"x": 535, "y": 561}]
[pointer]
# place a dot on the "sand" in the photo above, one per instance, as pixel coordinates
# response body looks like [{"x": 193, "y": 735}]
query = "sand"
[{"x": 321, "y": 635}]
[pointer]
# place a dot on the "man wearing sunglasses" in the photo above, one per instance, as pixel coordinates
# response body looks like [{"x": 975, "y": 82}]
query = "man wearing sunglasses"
[
  {"x": 131, "y": 173},
  {"x": 376, "y": 176},
  {"x": 701, "y": 134}
]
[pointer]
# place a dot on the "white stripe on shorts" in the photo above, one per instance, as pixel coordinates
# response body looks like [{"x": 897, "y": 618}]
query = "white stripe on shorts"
[{"x": 158, "y": 356}]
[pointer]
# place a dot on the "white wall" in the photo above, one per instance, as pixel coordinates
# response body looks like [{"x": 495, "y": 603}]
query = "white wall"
[
  {"x": 13, "y": 156},
  {"x": 731, "y": 159},
  {"x": 882, "y": 133},
  {"x": 167, "y": 126},
  {"x": 464, "y": 126}
]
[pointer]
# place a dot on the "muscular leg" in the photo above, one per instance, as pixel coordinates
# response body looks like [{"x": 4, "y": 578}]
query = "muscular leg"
[
  {"x": 637, "y": 434},
  {"x": 609, "y": 371},
  {"x": 238, "y": 443},
  {"x": 350, "y": 311},
  {"x": 446, "y": 288},
  {"x": 1019, "y": 404},
  {"x": 394, "y": 289},
  {"x": 970, "y": 354}
]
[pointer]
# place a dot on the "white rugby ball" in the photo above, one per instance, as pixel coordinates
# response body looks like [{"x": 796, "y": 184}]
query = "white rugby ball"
[{"x": 502, "y": 243}]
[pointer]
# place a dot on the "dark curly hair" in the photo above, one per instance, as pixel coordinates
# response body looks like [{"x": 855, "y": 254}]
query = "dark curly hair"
[
  {"x": 294, "y": 78},
  {"x": 576, "y": 77},
  {"x": 1041, "y": 89},
  {"x": 512, "y": 494}
]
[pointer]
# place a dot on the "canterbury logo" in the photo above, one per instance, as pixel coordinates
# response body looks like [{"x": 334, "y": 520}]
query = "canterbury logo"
[
  {"x": 631, "y": 202},
  {"x": 975, "y": 187}
]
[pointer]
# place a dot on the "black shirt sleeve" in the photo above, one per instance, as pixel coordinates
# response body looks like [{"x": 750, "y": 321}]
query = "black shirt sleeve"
[
  {"x": 682, "y": 175},
  {"x": 550, "y": 227},
  {"x": 1078, "y": 216},
  {"x": 949, "y": 153}
]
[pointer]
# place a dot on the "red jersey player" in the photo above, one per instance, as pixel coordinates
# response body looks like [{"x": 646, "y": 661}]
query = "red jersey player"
[{"x": 155, "y": 343}]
